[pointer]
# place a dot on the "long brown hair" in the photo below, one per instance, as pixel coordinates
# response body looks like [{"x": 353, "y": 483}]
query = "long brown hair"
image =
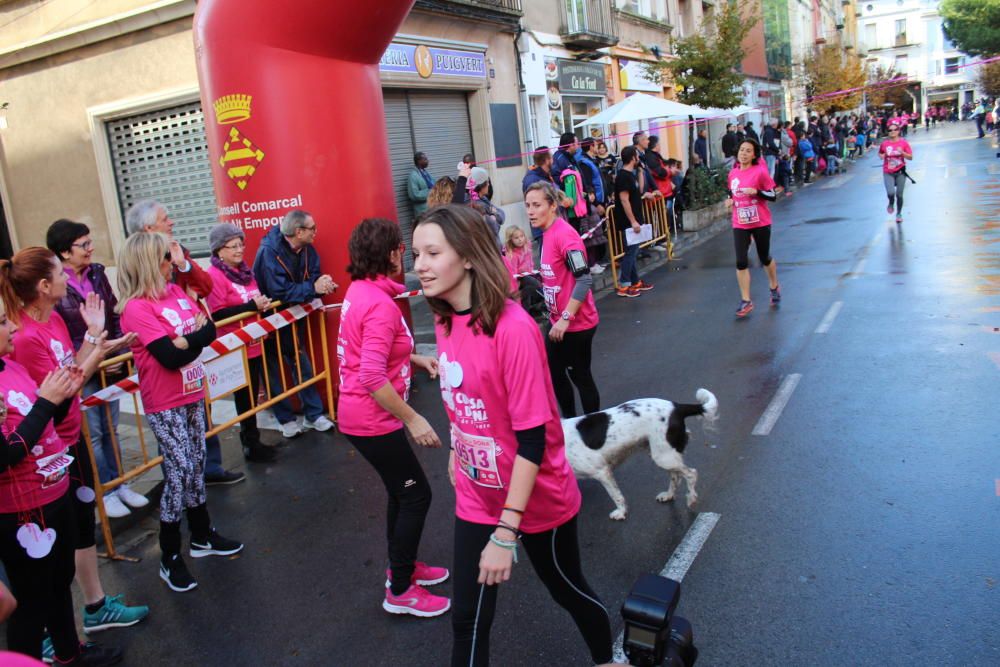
[
  {"x": 467, "y": 232},
  {"x": 20, "y": 275}
]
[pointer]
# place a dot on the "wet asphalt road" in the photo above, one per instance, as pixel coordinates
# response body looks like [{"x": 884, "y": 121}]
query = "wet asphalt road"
[{"x": 862, "y": 529}]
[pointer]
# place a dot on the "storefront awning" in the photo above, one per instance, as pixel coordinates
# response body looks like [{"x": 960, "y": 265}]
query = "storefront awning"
[{"x": 643, "y": 107}]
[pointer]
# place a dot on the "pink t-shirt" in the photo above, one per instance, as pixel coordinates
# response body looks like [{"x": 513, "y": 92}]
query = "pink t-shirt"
[
  {"x": 750, "y": 211},
  {"x": 40, "y": 477},
  {"x": 520, "y": 260},
  {"x": 225, "y": 294},
  {"x": 558, "y": 280},
  {"x": 45, "y": 346},
  {"x": 892, "y": 155},
  {"x": 374, "y": 347},
  {"x": 171, "y": 315},
  {"x": 491, "y": 388}
]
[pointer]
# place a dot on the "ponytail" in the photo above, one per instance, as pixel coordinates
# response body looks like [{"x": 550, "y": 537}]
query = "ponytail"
[{"x": 20, "y": 275}]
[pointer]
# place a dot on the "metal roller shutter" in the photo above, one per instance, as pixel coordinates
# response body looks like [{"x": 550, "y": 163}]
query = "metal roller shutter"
[
  {"x": 163, "y": 155},
  {"x": 436, "y": 123}
]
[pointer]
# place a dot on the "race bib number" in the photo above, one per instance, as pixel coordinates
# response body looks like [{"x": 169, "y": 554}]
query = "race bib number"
[
  {"x": 193, "y": 377},
  {"x": 894, "y": 163},
  {"x": 477, "y": 457},
  {"x": 748, "y": 215},
  {"x": 549, "y": 293},
  {"x": 53, "y": 468}
]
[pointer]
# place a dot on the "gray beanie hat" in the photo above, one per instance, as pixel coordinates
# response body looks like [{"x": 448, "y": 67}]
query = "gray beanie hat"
[
  {"x": 479, "y": 175},
  {"x": 223, "y": 233}
]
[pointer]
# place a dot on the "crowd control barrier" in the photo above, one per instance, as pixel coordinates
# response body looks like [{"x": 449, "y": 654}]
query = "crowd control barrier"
[
  {"x": 654, "y": 213},
  {"x": 227, "y": 371}
]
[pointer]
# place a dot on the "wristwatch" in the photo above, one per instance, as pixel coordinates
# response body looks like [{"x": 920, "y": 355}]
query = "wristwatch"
[
  {"x": 566, "y": 316},
  {"x": 93, "y": 340}
]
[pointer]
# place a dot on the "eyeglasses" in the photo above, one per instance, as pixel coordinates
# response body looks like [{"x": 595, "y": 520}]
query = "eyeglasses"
[
  {"x": 86, "y": 245},
  {"x": 311, "y": 228},
  {"x": 235, "y": 246}
]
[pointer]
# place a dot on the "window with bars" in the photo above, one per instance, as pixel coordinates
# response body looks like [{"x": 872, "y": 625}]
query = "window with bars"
[{"x": 163, "y": 155}]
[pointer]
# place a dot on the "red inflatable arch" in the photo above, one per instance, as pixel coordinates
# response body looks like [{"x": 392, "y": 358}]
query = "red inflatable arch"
[{"x": 294, "y": 117}]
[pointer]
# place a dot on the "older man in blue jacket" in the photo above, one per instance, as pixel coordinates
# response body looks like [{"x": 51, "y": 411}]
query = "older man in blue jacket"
[{"x": 287, "y": 269}]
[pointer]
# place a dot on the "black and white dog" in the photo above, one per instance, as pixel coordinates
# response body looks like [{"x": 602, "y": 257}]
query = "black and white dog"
[{"x": 598, "y": 442}]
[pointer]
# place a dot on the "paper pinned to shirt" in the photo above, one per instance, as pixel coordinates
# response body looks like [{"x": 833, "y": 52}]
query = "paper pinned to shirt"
[{"x": 645, "y": 234}]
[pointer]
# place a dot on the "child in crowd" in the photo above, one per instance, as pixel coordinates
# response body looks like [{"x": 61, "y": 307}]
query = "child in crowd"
[
  {"x": 832, "y": 154},
  {"x": 783, "y": 173},
  {"x": 519, "y": 259}
]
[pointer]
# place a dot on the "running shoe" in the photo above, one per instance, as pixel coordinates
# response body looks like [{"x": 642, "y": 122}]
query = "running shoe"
[
  {"x": 423, "y": 575},
  {"x": 224, "y": 478},
  {"x": 776, "y": 296},
  {"x": 48, "y": 650},
  {"x": 630, "y": 292},
  {"x": 889, "y": 209},
  {"x": 290, "y": 429},
  {"x": 113, "y": 614},
  {"x": 899, "y": 219},
  {"x": 744, "y": 309},
  {"x": 416, "y": 601},
  {"x": 321, "y": 424},
  {"x": 176, "y": 574},
  {"x": 642, "y": 286},
  {"x": 94, "y": 655},
  {"x": 215, "y": 545},
  {"x": 114, "y": 507},
  {"x": 130, "y": 497}
]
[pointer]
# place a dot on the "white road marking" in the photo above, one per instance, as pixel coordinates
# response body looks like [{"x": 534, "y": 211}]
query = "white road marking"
[
  {"x": 777, "y": 405},
  {"x": 945, "y": 171},
  {"x": 831, "y": 315},
  {"x": 875, "y": 239},
  {"x": 679, "y": 563},
  {"x": 859, "y": 268}
]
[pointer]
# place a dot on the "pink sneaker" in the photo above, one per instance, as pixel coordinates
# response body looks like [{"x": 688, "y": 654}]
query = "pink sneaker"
[
  {"x": 423, "y": 575},
  {"x": 416, "y": 601}
]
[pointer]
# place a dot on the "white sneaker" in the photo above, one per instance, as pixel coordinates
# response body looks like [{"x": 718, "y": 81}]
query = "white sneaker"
[
  {"x": 321, "y": 424},
  {"x": 114, "y": 507},
  {"x": 597, "y": 268},
  {"x": 290, "y": 429},
  {"x": 131, "y": 498}
]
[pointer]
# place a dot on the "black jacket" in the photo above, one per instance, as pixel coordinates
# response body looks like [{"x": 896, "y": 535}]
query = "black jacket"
[
  {"x": 730, "y": 144},
  {"x": 771, "y": 141}
]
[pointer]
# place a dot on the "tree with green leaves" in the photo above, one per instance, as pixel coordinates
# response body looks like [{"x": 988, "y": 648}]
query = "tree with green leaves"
[
  {"x": 706, "y": 69},
  {"x": 989, "y": 79},
  {"x": 973, "y": 25},
  {"x": 880, "y": 92}
]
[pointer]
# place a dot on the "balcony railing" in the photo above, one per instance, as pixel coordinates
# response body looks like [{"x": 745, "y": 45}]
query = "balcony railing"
[
  {"x": 506, "y": 13},
  {"x": 588, "y": 24}
]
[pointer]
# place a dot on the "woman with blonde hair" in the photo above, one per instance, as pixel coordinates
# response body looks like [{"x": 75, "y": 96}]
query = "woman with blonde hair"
[
  {"x": 508, "y": 462},
  {"x": 171, "y": 332}
]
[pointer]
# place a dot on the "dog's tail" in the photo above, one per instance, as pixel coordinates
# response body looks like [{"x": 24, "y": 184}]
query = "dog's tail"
[{"x": 707, "y": 407}]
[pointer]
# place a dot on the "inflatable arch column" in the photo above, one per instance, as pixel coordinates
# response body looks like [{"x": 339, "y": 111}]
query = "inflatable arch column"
[{"x": 294, "y": 116}]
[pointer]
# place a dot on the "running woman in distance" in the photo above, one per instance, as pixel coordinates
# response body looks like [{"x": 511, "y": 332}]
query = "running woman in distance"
[
  {"x": 750, "y": 188},
  {"x": 894, "y": 152}
]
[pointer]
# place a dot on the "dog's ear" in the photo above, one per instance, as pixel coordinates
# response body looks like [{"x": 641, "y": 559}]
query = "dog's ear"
[{"x": 593, "y": 429}]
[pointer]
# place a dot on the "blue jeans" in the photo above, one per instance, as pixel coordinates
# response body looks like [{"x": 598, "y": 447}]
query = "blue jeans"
[
  {"x": 312, "y": 405},
  {"x": 629, "y": 274},
  {"x": 213, "y": 456},
  {"x": 831, "y": 166},
  {"x": 101, "y": 432},
  {"x": 770, "y": 160}
]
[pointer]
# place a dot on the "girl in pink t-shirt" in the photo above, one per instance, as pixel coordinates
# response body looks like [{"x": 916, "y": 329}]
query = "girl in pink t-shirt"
[
  {"x": 567, "y": 285},
  {"x": 508, "y": 463},
  {"x": 234, "y": 291},
  {"x": 894, "y": 152},
  {"x": 171, "y": 331},
  {"x": 376, "y": 356},
  {"x": 38, "y": 528},
  {"x": 520, "y": 261},
  {"x": 750, "y": 189},
  {"x": 36, "y": 279}
]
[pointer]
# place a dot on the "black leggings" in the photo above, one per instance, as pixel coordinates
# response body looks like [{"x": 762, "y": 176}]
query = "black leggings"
[
  {"x": 555, "y": 556},
  {"x": 762, "y": 239},
  {"x": 82, "y": 474},
  {"x": 572, "y": 357},
  {"x": 249, "y": 433},
  {"x": 409, "y": 499},
  {"x": 42, "y": 585}
]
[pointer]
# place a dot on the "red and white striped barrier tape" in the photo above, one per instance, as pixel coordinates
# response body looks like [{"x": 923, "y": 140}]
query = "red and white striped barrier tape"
[{"x": 250, "y": 333}]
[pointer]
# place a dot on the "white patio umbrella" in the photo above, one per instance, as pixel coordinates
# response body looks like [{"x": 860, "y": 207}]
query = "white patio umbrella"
[
  {"x": 735, "y": 112},
  {"x": 642, "y": 107}
]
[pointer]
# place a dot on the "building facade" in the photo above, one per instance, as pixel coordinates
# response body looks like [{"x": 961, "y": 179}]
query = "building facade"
[
  {"x": 906, "y": 36},
  {"x": 104, "y": 110}
]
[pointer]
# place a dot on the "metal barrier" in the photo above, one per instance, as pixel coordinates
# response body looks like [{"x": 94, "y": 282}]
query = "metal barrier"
[
  {"x": 230, "y": 375},
  {"x": 654, "y": 213}
]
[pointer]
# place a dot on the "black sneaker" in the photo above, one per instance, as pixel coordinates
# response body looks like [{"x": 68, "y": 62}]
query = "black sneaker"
[
  {"x": 176, "y": 574},
  {"x": 215, "y": 545},
  {"x": 93, "y": 654},
  {"x": 224, "y": 478},
  {"x": 260, "y": 453}
]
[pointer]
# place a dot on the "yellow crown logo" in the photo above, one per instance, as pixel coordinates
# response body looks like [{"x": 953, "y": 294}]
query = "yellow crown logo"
[{"x": 232, "y": 109}]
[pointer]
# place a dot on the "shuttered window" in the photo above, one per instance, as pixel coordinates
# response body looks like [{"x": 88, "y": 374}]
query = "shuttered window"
[
  {"x": 436, "y": 123},
  {"x": 163, "y": 155}
]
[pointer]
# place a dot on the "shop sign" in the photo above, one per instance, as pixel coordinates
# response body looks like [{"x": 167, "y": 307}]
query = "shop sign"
[
  {"x": 428, "y": 61},
  {"x": 632, "y": 75},
  {"x": 581, "y": 78}
]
